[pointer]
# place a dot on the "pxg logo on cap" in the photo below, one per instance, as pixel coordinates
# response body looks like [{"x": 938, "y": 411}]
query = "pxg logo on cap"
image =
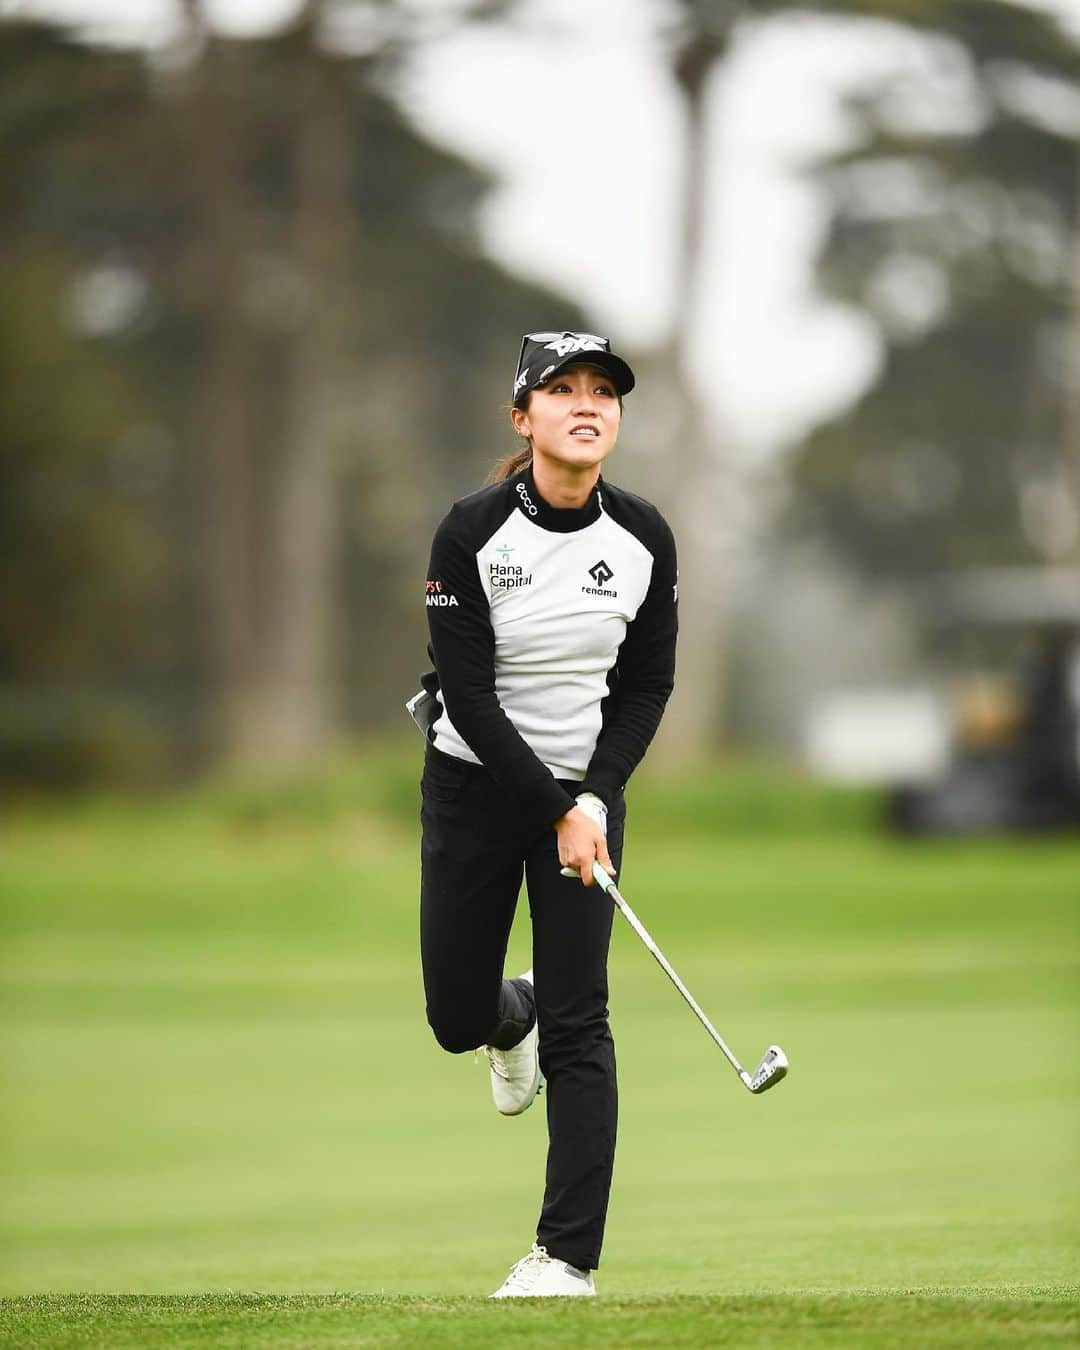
[{"x": 544, "y": 353}]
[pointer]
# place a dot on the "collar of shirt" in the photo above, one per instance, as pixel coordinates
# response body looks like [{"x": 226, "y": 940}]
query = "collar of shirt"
[{"x": 560, "y": 520}]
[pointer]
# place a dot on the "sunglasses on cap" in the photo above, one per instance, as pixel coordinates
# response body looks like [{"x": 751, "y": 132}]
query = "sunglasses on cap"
[{"x": 565, "y": 342}]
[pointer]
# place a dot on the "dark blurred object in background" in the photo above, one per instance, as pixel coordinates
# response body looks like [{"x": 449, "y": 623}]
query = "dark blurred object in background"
[{"x": 1016, "y": 758}]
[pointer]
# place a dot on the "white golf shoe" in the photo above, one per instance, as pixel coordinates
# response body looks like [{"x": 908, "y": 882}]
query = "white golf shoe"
[
  {"x": 541, "y": 1276},
  {"x": 515, "y": 1074}
]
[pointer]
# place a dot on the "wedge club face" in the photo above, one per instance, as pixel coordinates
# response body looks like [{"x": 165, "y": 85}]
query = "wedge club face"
[{"x": 773, "y": 1067}]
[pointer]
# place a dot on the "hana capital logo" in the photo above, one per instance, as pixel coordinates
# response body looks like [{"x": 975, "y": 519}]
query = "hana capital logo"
[{"x": 505, "y": 575}]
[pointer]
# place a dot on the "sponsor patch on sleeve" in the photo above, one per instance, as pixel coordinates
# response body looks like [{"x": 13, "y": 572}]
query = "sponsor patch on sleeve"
[{"x": 435, "y": 596}]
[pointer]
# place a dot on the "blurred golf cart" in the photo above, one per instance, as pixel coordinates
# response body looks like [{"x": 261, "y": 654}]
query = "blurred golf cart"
[{"x": 1000, "y": 753}]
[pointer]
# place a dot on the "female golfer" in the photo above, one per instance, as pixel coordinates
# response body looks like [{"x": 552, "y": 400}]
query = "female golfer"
[{"x": 551, "y": 599}]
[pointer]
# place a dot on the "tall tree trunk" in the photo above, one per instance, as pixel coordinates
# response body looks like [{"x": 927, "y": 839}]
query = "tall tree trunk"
[
  {"x": 698, "y": 500},
  {"x": 298, "y": 709},
  {"x": 1071, "y": 438},
  {"x": 214, "y": 121}
]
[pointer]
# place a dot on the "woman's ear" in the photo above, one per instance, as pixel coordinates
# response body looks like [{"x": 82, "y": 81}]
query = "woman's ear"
[{"x": 520, "y": 418}]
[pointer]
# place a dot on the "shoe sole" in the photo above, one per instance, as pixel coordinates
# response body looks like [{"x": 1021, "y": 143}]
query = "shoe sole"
[{"x": 566, "y": 1293}]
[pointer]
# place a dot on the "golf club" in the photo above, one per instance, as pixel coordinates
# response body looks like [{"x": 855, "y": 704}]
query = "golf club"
[{"x": 774, "y": 1063}]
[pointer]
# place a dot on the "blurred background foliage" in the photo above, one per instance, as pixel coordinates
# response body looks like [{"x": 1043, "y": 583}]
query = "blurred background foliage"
[
  {"x": 251, "y": 349},
  {"x": 957, "y": 240}
]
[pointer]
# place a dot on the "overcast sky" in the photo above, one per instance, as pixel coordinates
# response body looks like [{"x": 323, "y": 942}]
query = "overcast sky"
[{"x": 574, "y": 113}]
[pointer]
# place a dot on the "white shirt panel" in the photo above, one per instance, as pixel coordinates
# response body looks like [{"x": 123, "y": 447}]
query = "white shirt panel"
[{"x": 560, "y": 603}]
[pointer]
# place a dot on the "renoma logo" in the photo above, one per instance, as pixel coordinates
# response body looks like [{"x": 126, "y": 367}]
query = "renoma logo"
[{"x": 601, "y": 573}]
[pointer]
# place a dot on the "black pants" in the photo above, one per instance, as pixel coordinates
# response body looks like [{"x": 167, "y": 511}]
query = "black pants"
[{"x": 473, "y": 855}]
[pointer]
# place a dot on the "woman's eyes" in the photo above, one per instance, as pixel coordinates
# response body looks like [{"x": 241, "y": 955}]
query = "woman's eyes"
[{"x": 563, "y": 388}]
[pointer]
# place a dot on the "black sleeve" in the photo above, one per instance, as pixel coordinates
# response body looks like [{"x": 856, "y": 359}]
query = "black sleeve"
[
  {"x": 644, "y": 676},
  {"x": 463, "y": 646}
]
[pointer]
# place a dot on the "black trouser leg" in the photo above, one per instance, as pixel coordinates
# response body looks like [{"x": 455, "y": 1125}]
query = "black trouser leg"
[
  {"x": 473, "y": 854},
  {"x": 471, "y": 868},
  {"x": 571, "y": 932}
]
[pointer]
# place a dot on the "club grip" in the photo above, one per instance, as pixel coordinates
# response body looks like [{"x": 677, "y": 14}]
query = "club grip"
[{"x": 600, "y": 876}]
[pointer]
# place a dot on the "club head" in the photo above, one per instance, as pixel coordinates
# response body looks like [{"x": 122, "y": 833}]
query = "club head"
[{"x": 773, "y": 1067}]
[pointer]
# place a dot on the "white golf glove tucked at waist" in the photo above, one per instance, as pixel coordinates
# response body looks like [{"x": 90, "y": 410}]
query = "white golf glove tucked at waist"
[{"x": 595, "y": 809}]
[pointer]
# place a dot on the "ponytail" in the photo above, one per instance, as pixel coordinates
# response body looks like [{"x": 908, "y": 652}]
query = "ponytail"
[
  {"x": 510, "y": 465},
  {"x": 513, "y": 463}
]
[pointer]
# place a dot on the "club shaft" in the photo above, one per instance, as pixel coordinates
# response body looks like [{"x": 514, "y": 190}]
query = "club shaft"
[{"x": 608, "y": 886}]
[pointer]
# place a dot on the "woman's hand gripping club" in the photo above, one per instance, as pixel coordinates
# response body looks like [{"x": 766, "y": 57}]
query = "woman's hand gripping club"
[{"x": 582, "y": 836}]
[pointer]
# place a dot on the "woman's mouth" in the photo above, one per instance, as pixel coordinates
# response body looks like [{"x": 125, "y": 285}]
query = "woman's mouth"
[{"x": 585, "y": 431}]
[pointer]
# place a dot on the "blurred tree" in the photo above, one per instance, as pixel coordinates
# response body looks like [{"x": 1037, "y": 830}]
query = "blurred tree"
[
  {"x": 701, "y": 499},
  {"x": 1072, "y": 380},
  {"x": 273, "y": 687},
  {"x": 325, "y": 235},
  {"x": 83, "y": 462},
  {"x": 955, "y": 234},
  {"x": 902, "y": 482},
  {"x": 281, "y": 314},
  {"x": 216, "y": 126}
]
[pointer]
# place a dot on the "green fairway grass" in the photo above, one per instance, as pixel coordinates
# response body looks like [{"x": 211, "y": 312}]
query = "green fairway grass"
[
  {"x": 219, "y": 1088},
  {"x": 907, "y": 1317}
]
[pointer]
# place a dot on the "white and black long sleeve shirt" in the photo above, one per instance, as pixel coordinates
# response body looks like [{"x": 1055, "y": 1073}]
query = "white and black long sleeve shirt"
[{"x": 553, "y": 638}]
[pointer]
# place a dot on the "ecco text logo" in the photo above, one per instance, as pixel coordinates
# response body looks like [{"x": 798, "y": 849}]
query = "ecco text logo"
[
  {"x": 526, "y": 500},
  {"x": 601, "y": 573}
]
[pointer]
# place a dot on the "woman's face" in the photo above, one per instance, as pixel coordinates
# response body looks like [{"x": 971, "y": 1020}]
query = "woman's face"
[{"x": 573, "y": 419}]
